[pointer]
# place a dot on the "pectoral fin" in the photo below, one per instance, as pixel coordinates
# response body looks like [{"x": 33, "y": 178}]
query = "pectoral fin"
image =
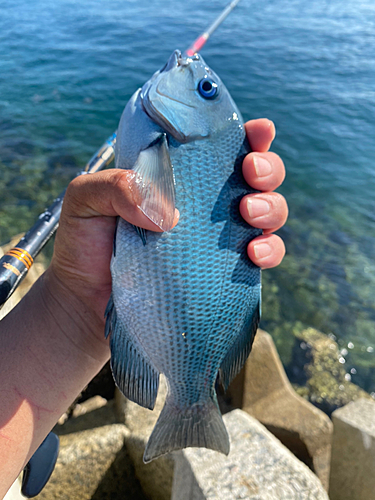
[{"x": 155, "y": 183}]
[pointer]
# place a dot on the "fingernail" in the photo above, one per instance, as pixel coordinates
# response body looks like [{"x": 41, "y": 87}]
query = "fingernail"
[
  {"x": 262, "y": 166},
  {"x": 262, "y": 250},
  {"x": 257, "y": 207}
]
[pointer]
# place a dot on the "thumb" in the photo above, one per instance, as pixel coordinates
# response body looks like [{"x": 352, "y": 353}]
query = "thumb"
[{"x": 108, "y": 193}]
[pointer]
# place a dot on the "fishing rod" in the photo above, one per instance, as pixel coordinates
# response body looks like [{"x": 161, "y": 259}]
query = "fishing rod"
[
  {"x": 202, "y": 39},
  {"x": 15, "y": 264}
]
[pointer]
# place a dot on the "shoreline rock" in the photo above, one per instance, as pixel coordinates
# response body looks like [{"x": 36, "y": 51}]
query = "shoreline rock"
[{"x": 316, "y": 361}]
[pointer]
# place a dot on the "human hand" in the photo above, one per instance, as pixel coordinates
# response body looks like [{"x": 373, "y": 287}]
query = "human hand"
[
  {"x": 83, "y": 247},
  {"x": 264, "y": 171},
  {"x": 61, "y": 346}
]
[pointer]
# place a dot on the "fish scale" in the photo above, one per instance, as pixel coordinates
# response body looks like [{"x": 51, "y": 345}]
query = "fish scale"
[{"x": 185, "y": 302}]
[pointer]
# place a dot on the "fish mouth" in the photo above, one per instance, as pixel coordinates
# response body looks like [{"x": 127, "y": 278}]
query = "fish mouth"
[{"x": 179, "y": 59}]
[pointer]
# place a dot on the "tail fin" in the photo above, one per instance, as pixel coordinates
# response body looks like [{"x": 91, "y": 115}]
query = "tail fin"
[{"x": 200, "y": 425}]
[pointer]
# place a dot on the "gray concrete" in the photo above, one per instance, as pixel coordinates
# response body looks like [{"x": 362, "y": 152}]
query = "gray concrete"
[
  {"x": 155, "y": 477},
  {"x": 93, "y": 462},
  {"x": 353, "y": 452},
  {"x": 258, "y": 467},
  {"x": 264, "y": 392}
]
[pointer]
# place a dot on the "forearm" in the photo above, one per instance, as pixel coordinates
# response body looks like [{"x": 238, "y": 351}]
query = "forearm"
[{"x": 47, "y": 357}]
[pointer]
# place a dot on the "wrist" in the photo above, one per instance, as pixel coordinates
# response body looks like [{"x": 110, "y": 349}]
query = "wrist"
[
  {"x": 48, "y": 356},
  {"x": 78, "y": 321}
]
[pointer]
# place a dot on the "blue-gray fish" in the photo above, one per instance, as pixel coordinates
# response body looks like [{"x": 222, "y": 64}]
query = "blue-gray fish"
[{"x": 185, "y": 302}]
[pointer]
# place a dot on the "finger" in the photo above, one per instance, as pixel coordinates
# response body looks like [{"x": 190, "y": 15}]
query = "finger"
[
  {"x": 267, "y": 211},
  {"x": 263, "y": 171},
  {"x": 109, "y": 193},
  {"x": 260, "y": 134},
  {"x": 266, "y": 251}
]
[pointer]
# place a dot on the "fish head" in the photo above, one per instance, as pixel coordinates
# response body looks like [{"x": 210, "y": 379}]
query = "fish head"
[{"x": 188, "y": 100}]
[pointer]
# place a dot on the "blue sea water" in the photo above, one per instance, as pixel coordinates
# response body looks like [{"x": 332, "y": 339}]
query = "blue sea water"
[{"x": 68, "y": 68}]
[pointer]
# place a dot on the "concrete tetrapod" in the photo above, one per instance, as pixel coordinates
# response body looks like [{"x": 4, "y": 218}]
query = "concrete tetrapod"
[
  {"x": 258, "y": 467},
  {"x": 263, "y": 390},
  {"x": 353, "y": 452}
]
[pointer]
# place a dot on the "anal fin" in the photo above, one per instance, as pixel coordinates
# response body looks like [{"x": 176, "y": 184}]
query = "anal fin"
[{"x": 134, "y": 375}]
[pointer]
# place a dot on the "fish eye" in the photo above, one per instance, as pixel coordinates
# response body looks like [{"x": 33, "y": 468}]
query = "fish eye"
[{"x": 208, "y": 88}]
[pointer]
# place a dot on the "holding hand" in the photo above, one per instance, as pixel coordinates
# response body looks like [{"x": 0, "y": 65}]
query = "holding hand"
[
  {"x": 264, "y": 171},
  {"x": 55, "y": 335},
  {"x": 83, "y": 248}
]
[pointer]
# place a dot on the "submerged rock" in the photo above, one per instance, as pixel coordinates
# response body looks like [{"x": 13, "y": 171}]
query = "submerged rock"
[{"x": 317, "y": 362}]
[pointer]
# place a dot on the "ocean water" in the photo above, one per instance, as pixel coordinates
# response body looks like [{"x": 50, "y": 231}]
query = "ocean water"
[{"x": 68, "y": 68}]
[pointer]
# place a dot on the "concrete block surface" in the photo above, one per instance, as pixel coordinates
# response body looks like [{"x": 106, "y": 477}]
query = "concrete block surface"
[
  {"x": 155, "y": 477},
  {"x": 353, "y": 452},
  {"x": 93, "y": 462},
  {"x": 258, "y": 467},
  {"x": 267, "y": 395}
]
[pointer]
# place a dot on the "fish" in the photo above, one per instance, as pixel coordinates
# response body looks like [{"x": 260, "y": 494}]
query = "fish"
[{"x": 185, "y": 301}]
